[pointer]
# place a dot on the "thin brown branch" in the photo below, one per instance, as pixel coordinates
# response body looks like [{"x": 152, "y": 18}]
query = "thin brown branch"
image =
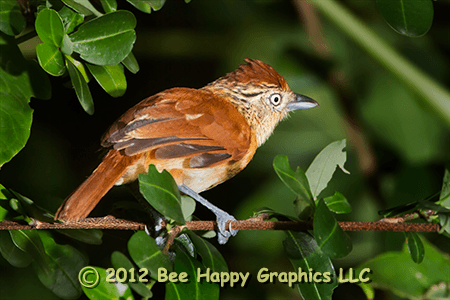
[{"x": 109, "y": 222}]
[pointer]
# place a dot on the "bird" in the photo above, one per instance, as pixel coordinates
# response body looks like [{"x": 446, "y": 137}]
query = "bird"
[{"x": 202, "y": 137}]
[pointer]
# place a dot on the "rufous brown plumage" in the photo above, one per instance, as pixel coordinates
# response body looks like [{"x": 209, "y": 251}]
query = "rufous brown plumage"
[{"x": 202, "y": 137}]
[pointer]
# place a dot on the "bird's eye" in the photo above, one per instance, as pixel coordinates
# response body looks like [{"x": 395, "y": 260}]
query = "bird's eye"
[{"x": 275, "y": 99}]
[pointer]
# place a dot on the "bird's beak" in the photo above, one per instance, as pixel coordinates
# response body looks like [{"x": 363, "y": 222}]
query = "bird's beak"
[{"x": 301, "y": 102}]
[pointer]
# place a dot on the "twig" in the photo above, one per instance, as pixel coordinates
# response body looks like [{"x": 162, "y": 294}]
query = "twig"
[{"x": 110, "y": 222}]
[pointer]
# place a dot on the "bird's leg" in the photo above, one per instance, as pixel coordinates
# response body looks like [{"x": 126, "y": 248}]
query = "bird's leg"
[{"x": 222, "y": 216}]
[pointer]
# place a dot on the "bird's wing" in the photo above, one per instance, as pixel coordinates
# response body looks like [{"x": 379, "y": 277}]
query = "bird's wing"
[{"x": 182, "y": 122}]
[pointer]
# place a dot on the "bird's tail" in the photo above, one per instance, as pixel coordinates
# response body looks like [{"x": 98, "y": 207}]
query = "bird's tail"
[{"x": 83, "y": 200}]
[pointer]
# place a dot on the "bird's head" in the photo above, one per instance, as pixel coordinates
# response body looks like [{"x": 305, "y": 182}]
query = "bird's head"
[{"x": 261, "y": 95}]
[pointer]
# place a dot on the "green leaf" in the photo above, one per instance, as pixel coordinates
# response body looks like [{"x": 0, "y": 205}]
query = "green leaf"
[
  {"x": 5, "y": 198},
  {"x": 295, "y": 181},
  {"x": 415, "y": 247},
  {"x": 187, "y": 1},
  {"x": 329, "y": 235},
  {"x": 141, "y": 5},
  {"x": 11, "y": 253},
  {"x": 156, "y": 4},
  {"x": 80, "y": 67},
  {"x": 187, "y": 206},
  {"x": 50, "y": 59},
  {"x": 324, "y": 165},
  {"x": 110, "y": 45},
  {"x": 67, "y": 45},
  {"x": 146, "y": 254},
  {"x": 304, "y": 209},
  {"x": 70, "y": 19},
  {"x": 50, "y": 27},
  {"x": 111, "y": 78},
  {"x": 20, "y": 80},
  {"x": 109, "y": 6},
  {"x": 161, "y": 191},
  {"x": 412, "y": 18},
  {"x": 338, "y": 203},
  {"x": 444, "y": 198},
  {"x": 32, "y": 209},
  {"x": 81, "y": 88},
  {"x": 304, "y": 254},
  {"x": 195, "y": 288},
  {"x": 211, "y": 257},
  {"x": 83, "y": 7},
  {"x": 12, "y": 21},
  {"x": 147, "y": 5},
  {"x": 29, "y": 241},
  {"x": 131, "y": 63},
  {"x": 88, "y": 236},
  {"x": 106, "y": 289},
  {"x": 65, "y": 262},
  {"x": 395, "y": 271},
  {"x": 119, "y": 260},
  {"x": 444, "y": 221}
]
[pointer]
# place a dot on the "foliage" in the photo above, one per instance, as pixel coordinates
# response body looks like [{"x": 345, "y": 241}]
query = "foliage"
[{"x": 392, "y": 90}]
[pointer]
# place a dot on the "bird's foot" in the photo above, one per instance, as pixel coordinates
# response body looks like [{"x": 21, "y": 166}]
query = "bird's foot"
[{"x": 225, "y": 231}]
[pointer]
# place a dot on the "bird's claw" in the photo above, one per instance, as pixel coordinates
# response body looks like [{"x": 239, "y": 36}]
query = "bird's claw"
[{"x": 225, "y": 233}]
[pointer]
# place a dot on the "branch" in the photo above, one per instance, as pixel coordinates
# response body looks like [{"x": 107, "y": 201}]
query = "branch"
[{"x": 257, "y": 223}]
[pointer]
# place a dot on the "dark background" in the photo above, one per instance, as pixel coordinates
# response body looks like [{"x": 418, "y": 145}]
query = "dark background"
[{"x": 396, "y": 146}]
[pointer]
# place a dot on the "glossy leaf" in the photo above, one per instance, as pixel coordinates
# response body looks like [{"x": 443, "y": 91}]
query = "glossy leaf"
[
  {"x": 32, "y": 209},
  {"x": 80, "y": 67},
  {"x": 412, "y": 18},
  {"x": 110, "y": 45},
  {"x": 12, "y": 21},
  {"x": 70, "y": 19},
  {"x": 20, "y": 80},
  {"x": 187, "y": 206},
  {"x": 338, "y": 203},
  {"x": 111, "y": 78},
  {"x": 65, "y": 262},
  {"x": 304, "y": 253},
  {"x": 193, "y": 289},
  {"x": 50, "y": 27},
  {"x": 82, "y": 7},
  {"x": 211, "y": 257},
  {"x": 143, "y": 6},
  {"x": 109, "y": 5},
  {"x": 88, "y": 236},
  {"x": 81, "y": 88},
  {"x": 415, "y": 247},
  {"x": 395, "y": 271},
  {"x": 131, "y": 63},
  {"x": 295, "y": 181},
  {"x": 329, "y": 235},
  {"x": 29, "y": 242},
  {"x": 324, "y": 165},
  {"x": 146, "y": 254},
  {"x": 156, "y": 4},
  {"x": 67, "y": 45},
  {"x": 50, "y": 59},
  {"x": 5, "y": 198},
  {"x": 105, "y": 289},
  {"x": 444, "y": 197},
  {"x": 304, "y": 209},
  {"x": 11, "y": 253},
  {"x": 161, "y": 191},
  {"x": 119, "y": 260}
]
